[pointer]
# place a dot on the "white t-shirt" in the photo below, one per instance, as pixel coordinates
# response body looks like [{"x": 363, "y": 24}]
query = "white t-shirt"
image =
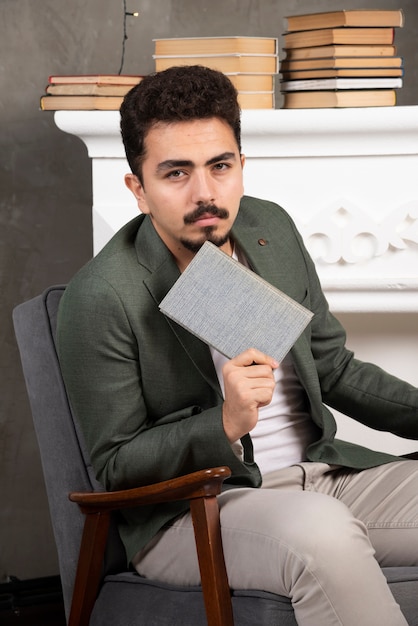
[{"x": 284, "y": 428}]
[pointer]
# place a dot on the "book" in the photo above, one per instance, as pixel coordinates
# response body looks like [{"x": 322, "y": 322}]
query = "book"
[
  {"x": 87, "y": 89},
  {"x": 350, "y": 18},
  {"x": 232, "y": 309},
  {"x": 252, "y": 82},
  {"x": 345, "y": 72},
  {"x": 215, "y": 45},
  {"x": 338, "y": 99},
  {"x": 328, "y": 36},
  {"x": 99, "y": 79},
  {"x": 80, "y": 103},
  {"x": 341, "y": 83},
  {"x": 229, "y": 64},
  {"x": 256, "y": 99},
  {"x": 340, "y": 62},
  {"x": 347, "y": 50}
]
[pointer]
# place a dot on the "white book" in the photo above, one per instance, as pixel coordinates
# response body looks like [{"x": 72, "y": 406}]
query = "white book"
[{"x": 340, "y": 83}]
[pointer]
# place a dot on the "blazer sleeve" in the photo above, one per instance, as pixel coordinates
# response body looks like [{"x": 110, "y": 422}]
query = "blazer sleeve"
[{"x": 99, "y": 358}]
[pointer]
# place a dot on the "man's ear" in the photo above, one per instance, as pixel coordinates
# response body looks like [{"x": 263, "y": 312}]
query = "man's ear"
[{"x": 135, "y": 186}]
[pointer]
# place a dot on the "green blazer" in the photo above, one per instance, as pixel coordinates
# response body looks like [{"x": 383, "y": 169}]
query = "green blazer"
[{"x": 146, "y": 393}]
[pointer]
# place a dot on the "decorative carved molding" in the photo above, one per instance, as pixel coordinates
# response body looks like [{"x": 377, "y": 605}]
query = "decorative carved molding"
[{"x": 345, "y": 233}]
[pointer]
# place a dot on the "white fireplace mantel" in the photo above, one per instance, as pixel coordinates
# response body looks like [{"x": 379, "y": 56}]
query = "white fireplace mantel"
[{"x": 348, "y": 177}]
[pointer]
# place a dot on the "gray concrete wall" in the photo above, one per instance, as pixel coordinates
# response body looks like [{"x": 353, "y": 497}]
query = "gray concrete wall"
[{"x": 45, "y": 187}]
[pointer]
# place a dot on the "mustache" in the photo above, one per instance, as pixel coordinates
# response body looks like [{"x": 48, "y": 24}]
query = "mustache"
[{"x": 205, "y": 209}]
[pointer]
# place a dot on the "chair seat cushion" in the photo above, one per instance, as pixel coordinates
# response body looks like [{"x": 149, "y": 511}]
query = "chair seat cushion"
[
  {"x": 157, "y": 604},
  {"x": 131, "y": 600}
]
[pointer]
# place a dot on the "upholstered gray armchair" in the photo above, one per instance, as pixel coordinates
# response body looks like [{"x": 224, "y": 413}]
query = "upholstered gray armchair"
[{"x": 99, "y": 589}]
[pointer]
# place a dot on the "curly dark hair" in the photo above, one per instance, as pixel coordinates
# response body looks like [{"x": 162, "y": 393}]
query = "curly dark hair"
[{"x": 177, "y": 94}]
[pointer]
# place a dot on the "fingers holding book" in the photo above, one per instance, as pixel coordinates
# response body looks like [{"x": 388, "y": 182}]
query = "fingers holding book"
[{"x": 246, "y": 390}]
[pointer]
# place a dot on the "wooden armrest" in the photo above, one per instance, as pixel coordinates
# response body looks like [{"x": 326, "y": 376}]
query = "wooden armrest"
[
  {"x": 199, "y": 484},
  {"x": 201, "y": 489}
]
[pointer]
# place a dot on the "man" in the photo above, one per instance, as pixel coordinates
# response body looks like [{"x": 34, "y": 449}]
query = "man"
[{"x": 155, "y": 402}]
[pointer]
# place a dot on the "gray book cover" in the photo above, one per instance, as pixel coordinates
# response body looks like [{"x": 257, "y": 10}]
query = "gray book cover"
[{"x": 232, "y": 309}]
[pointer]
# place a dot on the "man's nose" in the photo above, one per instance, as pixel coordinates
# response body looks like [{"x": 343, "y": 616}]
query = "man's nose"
[{"x": 203, "y": 188}]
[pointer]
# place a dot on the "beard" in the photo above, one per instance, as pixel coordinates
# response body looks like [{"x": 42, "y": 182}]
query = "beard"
[
  {"x": 207, "y": 235},
  {"x": 208, "y": 232}
]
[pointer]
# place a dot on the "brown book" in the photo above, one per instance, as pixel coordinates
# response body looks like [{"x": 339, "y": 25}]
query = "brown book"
[
  {"x": 99, "y": 79},
  {"x": 318, "y": 52},
  {"x": 340, "y": 62},
  {"x": 353, "y": 17},
  {"x": 329, "y": 36},
  {"x": 256, "y": 100},
  {"x": 327, "y": 84},
  {"x": 229, "y": 64},
  {"x": 81, "y": 103},
  {"x": 87, "y": 89},
  {"x": 339, "y": 99},
  {"x": 215, "y": 45},
  {"x": 252, "y": 82},
  {"x": 353, "y": 72}
]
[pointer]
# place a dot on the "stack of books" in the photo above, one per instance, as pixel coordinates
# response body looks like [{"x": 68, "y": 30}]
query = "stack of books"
[
  {"x": 251, "y": 63},
  {"x": 341, "y": 59},
  {"x": 87, "y": 92}
]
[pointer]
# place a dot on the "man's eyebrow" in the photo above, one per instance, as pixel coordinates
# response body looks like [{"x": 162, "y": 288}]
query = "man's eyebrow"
[
  {"x": 175, "y": 163},
  {"x": 225, "y": 156},
  {"x": 172, "y": 164}
]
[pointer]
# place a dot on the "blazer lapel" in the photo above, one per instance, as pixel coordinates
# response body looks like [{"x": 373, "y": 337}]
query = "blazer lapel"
[
  {"x": 277, "y": 267},
  {"x": 163, "y": 273},
  {"x": 274, "y": 265}
]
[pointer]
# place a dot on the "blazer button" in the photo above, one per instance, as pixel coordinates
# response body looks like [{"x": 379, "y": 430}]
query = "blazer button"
[{"x": 262, "y": 242}]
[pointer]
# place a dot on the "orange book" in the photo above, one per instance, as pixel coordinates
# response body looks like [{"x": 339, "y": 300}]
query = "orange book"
[
  {"x": 182, "y": 46},
  {"x": 347, "y": 72},
  {"x": 340, "y": 62},
  {"x": 98, "y": 79},
  {"x": 344, "y": 18},
  {"x": 346, "y": 50},
  {"x": 330, "y": 36},
  {"x": 339, "y": 99},
  {"x": 81, "y": 103},
  {"x": 228, "y": 63}
]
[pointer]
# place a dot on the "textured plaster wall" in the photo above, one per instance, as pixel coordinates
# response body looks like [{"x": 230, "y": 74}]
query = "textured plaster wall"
[{"x": 45, "y": 187}]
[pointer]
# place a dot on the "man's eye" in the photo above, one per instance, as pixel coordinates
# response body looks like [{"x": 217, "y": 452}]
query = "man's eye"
[
  {"x": 175, "y": 174},
  {"x": 221, "y": 166}
]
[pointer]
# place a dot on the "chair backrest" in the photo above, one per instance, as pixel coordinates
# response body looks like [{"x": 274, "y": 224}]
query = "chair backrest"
[{"x": 65, "y": 461}]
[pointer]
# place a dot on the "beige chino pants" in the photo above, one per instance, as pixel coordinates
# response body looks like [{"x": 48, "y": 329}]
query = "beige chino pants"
[{"x": 314, "y": 533}]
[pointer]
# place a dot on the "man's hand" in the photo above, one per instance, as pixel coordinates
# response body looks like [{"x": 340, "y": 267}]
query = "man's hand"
[{"x": 249, "y": 385}]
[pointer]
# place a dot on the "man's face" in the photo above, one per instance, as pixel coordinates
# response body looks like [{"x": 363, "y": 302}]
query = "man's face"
[{"x": 193, "y": 183}]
